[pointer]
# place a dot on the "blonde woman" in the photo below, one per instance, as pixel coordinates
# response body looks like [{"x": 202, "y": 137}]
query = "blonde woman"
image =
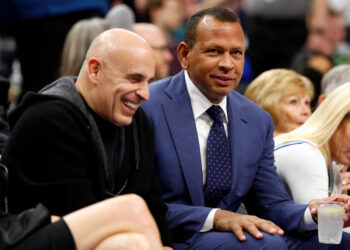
[
  {"x": 306, "y": 158},
  {"x": 285, "y": 94}
]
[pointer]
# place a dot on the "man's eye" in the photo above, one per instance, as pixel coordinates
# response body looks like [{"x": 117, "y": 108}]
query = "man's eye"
[
  {"x": 238, "y": 52},
  {"x": 212, "y": 51}
]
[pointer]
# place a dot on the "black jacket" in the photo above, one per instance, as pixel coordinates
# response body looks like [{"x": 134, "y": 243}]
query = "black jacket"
[{"x": 55, "y": 156}]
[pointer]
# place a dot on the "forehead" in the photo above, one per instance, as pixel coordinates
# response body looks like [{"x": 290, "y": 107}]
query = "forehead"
[
  {"x": 211, "y": 30},
  {"x": 135, "y": 60}
]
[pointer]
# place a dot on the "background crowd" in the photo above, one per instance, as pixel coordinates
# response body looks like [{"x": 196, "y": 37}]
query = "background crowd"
[{"x": 296, "y": 54}]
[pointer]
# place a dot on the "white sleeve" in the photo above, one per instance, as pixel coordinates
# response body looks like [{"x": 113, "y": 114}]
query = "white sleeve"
[
  {"x": 208, "y": 224},
  {"x": 303, "y": 168}
]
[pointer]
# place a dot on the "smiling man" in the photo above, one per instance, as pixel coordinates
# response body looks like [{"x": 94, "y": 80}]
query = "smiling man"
[
  {"x": 82, "y": 140},
  {"x": 214, "y": 148}
]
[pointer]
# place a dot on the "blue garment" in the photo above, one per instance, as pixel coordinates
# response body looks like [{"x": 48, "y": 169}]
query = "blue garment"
[
  {"x": 33, "y": 9},
  {"x": 254, "y": 178},
  {"x": 218, "y": 160}
]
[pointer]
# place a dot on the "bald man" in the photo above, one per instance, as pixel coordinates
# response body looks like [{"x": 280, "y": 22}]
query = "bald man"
[
  {"x": 156, "y": 38},
  {"x": 82, "y": 140}
]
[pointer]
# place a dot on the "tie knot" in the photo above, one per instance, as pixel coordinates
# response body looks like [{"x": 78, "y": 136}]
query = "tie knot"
[{"x": 215, "y": 113}]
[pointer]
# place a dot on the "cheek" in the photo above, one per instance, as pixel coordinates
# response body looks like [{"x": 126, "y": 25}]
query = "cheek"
[
  {"x": 287, "y": 120},
  {"x": 290, "y": 114},
  {"x": 239, "y": 66}
]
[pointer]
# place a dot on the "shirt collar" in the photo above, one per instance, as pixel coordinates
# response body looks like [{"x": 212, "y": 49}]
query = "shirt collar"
[{"x": 199, "y": 102}]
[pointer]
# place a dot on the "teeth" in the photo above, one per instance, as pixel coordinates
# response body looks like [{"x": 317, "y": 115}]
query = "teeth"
[{"x": 130, "y": 105}]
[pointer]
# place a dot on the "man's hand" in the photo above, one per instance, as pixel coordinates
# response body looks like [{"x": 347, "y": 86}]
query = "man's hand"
[
  {"x": 227, "y": 221},
  {"x": 340, "y": 198}
]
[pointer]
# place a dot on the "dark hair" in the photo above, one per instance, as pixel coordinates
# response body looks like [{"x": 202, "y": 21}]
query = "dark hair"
[{"x": 221, "y": 14}]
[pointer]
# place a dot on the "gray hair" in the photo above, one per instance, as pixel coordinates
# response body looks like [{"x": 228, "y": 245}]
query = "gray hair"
[
  {"x": 335, "y": 77},
  {"x": 121, "y": 16}
]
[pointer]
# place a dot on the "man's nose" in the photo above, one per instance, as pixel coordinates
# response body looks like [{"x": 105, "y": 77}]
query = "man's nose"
[
  {"x": 226, "y": 63},
  {"x": 143, "y": 91}
]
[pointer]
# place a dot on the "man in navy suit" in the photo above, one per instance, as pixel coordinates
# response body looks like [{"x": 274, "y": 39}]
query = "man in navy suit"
[{"x": 212, "y": 57}]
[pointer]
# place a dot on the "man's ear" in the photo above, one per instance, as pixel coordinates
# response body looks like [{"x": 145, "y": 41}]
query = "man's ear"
[
  {"x": 94, "y": 67},
  {"x": 183, "y": 51}
]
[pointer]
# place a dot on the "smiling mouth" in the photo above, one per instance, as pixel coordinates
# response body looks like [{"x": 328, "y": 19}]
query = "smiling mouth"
[
  {"x": 130, "y": 105},
  {"x": 223, "y": 78}
]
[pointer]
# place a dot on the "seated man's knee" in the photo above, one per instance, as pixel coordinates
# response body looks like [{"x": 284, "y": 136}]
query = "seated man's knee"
[
  {"x": 229, "y": 241},
  {"x": 274, "y": 242}
]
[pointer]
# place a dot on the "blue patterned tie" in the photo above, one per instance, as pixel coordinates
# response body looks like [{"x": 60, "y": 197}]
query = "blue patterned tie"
[{"x": 219, "y": 175}]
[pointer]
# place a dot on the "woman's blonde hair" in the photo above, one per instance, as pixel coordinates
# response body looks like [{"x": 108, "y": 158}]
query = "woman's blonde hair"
[
  {"x": 77, "y": 43},
  {"x": 322, "y": 124},
  {"x": 273, "y": 85}
]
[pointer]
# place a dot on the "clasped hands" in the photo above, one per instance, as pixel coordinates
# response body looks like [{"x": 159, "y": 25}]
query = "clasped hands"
[{"x": 226, "y": 221}]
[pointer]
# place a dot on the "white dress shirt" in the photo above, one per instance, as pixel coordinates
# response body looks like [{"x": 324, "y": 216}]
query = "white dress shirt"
[{"x": 200, "y": 104}]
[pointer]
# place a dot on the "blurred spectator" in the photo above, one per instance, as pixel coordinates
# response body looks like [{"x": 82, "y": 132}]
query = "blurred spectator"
[
  {"x": 193, "y": 6},
  {"x": 342, "y": 6},
  {"x": 4, "y": 127},
  {"x": 156, "y": 38},
  {"x": 40, "y": 28},
  {"x": 335, "y": 77},
  {"x": 121, "y": 16},
  {"x": 78, "y": 41},
  {"x": 285, "y": 94},
  {"x": 313, "y": 65},
  {"x": 277, "y": 30},
  {"x": 7, "y": 54},
  {"x": 168, "y": 15}
]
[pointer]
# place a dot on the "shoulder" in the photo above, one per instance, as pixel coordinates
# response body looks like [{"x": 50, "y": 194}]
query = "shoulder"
[
  {"x": 167, "y": 88},
  {"x": 248, "y": 110},
  {"x": 247, "y": 105},
  {"x": 301, "y": 155},
  {"x": 298, "y": 148},
  {"x": 45, "y": 110},
  {"x": 160, "y": 85}
]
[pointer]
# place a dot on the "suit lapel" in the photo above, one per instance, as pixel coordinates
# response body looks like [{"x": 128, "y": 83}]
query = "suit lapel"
[
  {"x": 236, "y": 123},
  {"x": 179, "y": 116}
]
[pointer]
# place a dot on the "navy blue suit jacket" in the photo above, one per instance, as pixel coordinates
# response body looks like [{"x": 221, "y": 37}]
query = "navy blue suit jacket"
[{"x": 177, "y": 154}]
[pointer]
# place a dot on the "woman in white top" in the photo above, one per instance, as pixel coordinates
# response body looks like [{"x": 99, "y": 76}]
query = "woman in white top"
[{"x": 306, "y": 157}]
